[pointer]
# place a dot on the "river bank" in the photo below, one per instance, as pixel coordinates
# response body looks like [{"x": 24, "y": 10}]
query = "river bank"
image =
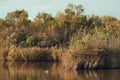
[
  {"x": 76, "y": 40},
  {"x": 69, "y": 59},
  {"x": 93, "y": 61}
]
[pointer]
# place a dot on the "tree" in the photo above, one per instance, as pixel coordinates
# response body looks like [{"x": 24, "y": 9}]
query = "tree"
[
  {"x": 31, "y": 41},
  {"x": 74, "y": 9},
  {"x": 71, "y": 19},
  {"x": 45, "y": 21},
  {"x": 93, "y": 21},
  {"x": 43, "y": 17},
  {"x": 17, "y": 17},
  {"x": 16, "y": 38},
  {"x": 2, "y": 22}
]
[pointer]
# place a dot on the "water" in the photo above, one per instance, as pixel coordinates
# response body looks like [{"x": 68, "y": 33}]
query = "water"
[{"x": 51, "y": 71}]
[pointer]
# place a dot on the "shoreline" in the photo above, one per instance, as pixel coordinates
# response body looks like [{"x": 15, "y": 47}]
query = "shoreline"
[
  {"x": 102, "y": 60},
  {"x": 76, "y": 40}
]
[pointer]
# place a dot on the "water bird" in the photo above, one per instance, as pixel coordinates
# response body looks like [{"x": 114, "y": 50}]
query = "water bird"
[{"x": 46, "y": 71}]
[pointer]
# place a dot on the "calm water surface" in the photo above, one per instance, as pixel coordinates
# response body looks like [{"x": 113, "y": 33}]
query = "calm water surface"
[{"x": 51, "y": 71}]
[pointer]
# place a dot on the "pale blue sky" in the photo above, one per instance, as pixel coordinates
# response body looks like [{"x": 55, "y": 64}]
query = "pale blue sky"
[{"x": 97, "y": 7}]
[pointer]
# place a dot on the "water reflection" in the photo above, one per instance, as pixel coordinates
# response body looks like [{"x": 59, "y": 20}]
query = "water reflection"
[{"x": 51, "y": 71}]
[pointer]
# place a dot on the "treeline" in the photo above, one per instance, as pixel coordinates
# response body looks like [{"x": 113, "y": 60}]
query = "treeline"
[{"x": 70, "y": 29}]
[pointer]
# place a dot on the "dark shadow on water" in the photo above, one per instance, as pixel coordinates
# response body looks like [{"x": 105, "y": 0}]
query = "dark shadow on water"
[{"x": 52, "y": 71}]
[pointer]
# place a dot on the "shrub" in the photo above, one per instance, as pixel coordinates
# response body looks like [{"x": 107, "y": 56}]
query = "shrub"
[{"x": 31, "y": 41}]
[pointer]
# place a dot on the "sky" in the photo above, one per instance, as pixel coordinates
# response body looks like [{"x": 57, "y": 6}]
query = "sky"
[{"x": 96, "y": 7}]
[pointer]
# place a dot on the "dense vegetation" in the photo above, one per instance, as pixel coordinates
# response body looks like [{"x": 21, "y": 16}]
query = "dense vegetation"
[{"x": 62, "y": 37}]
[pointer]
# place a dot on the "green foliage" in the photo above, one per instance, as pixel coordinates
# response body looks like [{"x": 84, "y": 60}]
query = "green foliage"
[{"x": 31, "y": 41}]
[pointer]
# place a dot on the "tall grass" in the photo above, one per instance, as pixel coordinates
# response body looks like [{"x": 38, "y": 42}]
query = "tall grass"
[
  {"x": 86, "y": 43},
  {"x": 95, "y": 40},
  {"x": 31, "y": 54}
]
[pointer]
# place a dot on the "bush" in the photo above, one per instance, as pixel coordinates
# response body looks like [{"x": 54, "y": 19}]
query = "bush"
[{"x": 31, "y": 41}]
